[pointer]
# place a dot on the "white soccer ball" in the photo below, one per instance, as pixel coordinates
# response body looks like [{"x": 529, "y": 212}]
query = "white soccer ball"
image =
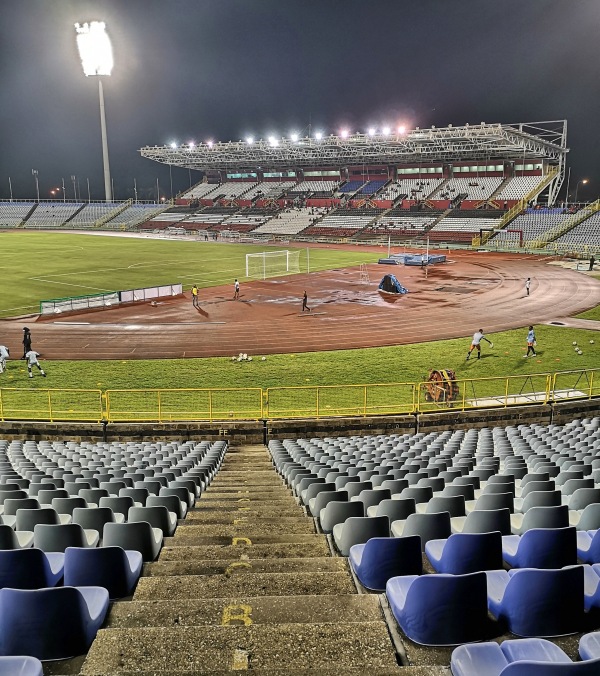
[
  {"x": 574, "y": 342},
  {"x": 233, "y": 358},
  {"x": 244, "y": 356},
  {"x": 263, "y": 359},
  {"x": 591, "y": 342},
  {"x": 239, "y": 359},
  {"x": 249, "y": 358},
  {"x": 579, "y": 352}
]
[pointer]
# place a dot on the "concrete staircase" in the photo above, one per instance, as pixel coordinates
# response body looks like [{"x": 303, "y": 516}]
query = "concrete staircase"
[{"x": 247, "y": 584}]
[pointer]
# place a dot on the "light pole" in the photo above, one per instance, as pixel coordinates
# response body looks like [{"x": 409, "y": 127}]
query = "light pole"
[
  {"x": 95, "y": 52},
  {"x": 73, "y": 178},
  {"x": 34, "y": 172},
  {"x": 582, "y": 181}
]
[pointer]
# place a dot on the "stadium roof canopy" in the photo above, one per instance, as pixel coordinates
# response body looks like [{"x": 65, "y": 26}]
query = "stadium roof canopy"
[{"x": 531, "y": 140}]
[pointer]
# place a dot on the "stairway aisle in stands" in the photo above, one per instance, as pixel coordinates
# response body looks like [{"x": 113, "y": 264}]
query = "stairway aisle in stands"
[{"x": 247, "y": 584}]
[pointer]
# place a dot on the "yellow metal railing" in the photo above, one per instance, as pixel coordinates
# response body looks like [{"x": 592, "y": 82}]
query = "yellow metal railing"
[
  {"x": 51, "y": 405},
  {"x": 329, "y": 401}
]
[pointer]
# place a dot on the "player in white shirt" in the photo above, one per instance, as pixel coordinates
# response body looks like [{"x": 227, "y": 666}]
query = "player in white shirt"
[
  {"x": 476, "y": 343},
  {"x": 4, "y": 355},
  {"x": 32, "y": 360}
]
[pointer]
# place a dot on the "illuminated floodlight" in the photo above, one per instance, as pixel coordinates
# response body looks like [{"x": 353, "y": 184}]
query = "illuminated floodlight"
[
  {"x": 95, "y": 49},
  {"x": 344, "y": 133},
  {"x": 319, "y": 135},
  {"x": 402, "y": 129},
  {"x": 273, "y": 141},
  {"x": 209, "y": 144},
  {"x": 173, "y": 145},
  {"x": 386, "y": 131},
  {"x": 191, "y": 144},
  {"x": 372, "y": 131},
  {"x": 294, "y": 136},
  {"x": 250, "y": 140}
]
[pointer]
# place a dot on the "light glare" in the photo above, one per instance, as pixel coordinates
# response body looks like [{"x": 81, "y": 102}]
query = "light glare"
[
  {"x": 386, "y": 130},
  {"x": 319, "y": 135},
  {"x": 344, "y": 133},
  {"x": 402, "y": 129},
  {"x": 173, "y": 145},
  {"x": 294, "y": 136},
  {"x": 250, "y": 140},
  {"x": 95, "y": 49},
  {"x": 372, "y": 131}
]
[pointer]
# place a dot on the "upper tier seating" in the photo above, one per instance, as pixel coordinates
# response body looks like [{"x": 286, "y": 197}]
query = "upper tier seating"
[
  {"x": 518, "y": 187},
  {"x": 201, "y": 190},
  {"x": 585, "y": 233},
  {"x": 13, "y": 213},
  {"x": 412, "y": 188},
  {"x": 134, "y": 215},
  {"x": 532, "y": 224},
  {"x": 351, "y": 186},
  {"x": 471, "y": 225},
  {"x": 371, "y": 187},
  {"x": 314, "y": 188},
  {"x": 269, "y": 189},
  {"x": 475, "y": 188},
  {"x": 289, "y": 222},
  {"x": 233, "y": 190},
  {"x": 52, "y": 214}
]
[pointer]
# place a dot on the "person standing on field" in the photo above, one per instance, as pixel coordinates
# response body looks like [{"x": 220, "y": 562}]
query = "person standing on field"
[
  {"x": 531, "y": 343},
  {"x": 236, "y": 290},
  {"x": 32, "y": 360},
  {"x": 26, "y": 342},
  {"x": 195, "y": 295},
  {"x": 4, "y": 355},
  {"x": 476, "y": 343},
  {"x": 527, "y": 285}
]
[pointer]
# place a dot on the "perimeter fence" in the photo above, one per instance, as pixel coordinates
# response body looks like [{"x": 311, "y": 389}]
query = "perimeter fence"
[{"x": 330, "y": 401}]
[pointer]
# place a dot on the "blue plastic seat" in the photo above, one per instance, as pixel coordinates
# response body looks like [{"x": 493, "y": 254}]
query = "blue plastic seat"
[
  {"x": 534, "y": 602},
  {"x": 541, "y": 548},
  {"x": 440, "y": 609},
  {"x": 463, "y": 553},
  {"x": 520, "y": 657},
  {"x": 30, "y": 569},
  {"x": 114, "y": 568},
  {"x": 50, "y": 624},
  {"x": 380, "y": 559},
  {"x": 589, "y": 646},
  {"x": 21, "y": 665},
  {"x": 588, "y": 546}
]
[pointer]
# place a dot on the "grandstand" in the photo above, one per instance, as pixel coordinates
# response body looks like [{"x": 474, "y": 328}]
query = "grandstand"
[
  {"x": 12, "y": 214},
  {"x": 93, "y": 213},
  {"x": 52, "y": 214}
]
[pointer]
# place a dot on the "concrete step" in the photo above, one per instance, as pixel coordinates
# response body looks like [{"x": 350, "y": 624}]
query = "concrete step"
[
  {"x": 267, "y": 508},
  {"x": 192, "y": 535},
  {"x": 257, "y": 610},
  {"x": 276, "y": 494},
  {"x": 275, "y": 550},
  {"x": 224, "y": 516},
  {"x": 177, "y": 587},
  {"x": 246, "y": 565},
  {"x": 290, "y": 671},
  {"x": 232, "y": 524},
  {"x": 363, "y": 645}
]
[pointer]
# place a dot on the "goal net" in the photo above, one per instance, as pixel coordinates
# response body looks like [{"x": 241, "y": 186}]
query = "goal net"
[{"x": 272, "y": 263}]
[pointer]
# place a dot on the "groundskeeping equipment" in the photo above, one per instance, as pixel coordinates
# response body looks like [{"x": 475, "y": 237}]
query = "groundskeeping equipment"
[
  {"x": 441, "y": 386},
  {"x": 272, "y": 263}
]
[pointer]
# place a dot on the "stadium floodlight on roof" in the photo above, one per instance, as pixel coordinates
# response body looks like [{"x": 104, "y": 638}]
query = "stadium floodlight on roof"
[{"x": 95, "y": 52}]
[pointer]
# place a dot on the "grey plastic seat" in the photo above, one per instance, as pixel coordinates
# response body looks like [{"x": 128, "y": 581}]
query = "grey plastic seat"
[
  {"x": 76, "y": 486},
  {"x": 139, "y": 536},
  {"x": 454, "y": 505},
  {"x": 95, "y": 518},
  {"x": 418, "y": 493},
  {"x": 563, "y": 477},
  {"x": 535, "y": 486},
  {"x": 488, "y": 501},
  {"x": 467, "y": 491},
  {"x": 538, "y": 499},
  {"x": 191, "y": 487},
  {"x": 533, "y": 476},
  {"x": 324, "y": 498},
  {"x": 371, "y": 496},
  {"x": 395, "y": 485},
  {"x": 12, "y": 505},
  {"x": 483, "y": 521},
  {"x": 342, "y": 481},
  {"x": 395, "y": 510},
  {"x": 120, "y": 505},
  {"x": 314, "y": 489},
  {"x": 357, "y": 530},
  {"x": 540, "y": 517},
  {"x": 157, "y": 517},
  {"x": 182, "y": 493},
  {"x": 113, "y": 487},
  {"x": 305, "y": 482},
  {"x": 588, "y": 519},
  {"x": 92, "y": 495},
  {"x": 138, "y": 495},
  {"x": 67, "y": 505},
  {"x": 435, "y": 526},
  {"x": 57, "y": 537},
  {"x": 27, "y": 519},
  {"x": 337, "y": 512},
  {"x": 45, "y": 497},
  {"x": 171, "y": 502},
  {"x": 572, "y": 485},
  {"x": 11, "y": 495},
  {"x": 582, "y": 497},
  {"x": 10, "y": 539}
]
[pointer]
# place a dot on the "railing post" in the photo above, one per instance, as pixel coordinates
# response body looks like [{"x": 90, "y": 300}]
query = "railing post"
[
  {"x": 159, "y": 406},
  {"x": 318, "y": 402},
  {"x": 210, "y": 406},
  {"x": 506, "y": 381},
  {"x": 50, "y": 406},
  {"x": 1, "y": 406},
  {"x": 365, "y": 401}
]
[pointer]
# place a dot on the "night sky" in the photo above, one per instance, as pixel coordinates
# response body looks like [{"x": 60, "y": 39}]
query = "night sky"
[{"x": 223, "y": 69}]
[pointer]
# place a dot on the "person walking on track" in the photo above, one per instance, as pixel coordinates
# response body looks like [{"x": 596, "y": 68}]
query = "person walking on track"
[
  {"x": 305, "y": 303},
  {"x": 531, "y": 343},
  {"x": 236, "y": 290},
  {"x": 195, "y": 295},
  {"x": 26, "y": 341},
  {"x": 476, "y": 343}
]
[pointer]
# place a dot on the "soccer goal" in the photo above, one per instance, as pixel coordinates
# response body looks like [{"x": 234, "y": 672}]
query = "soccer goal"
[{"x": 272, "y": 263}]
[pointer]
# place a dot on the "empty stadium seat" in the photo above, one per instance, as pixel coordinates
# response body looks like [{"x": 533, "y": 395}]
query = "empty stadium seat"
[
  {"x": 357, "y": 530},
  {"x": 139, "y": 536},
  {"x": 541, "y": 548},
  {"x": 111, "y": 567},
  {"x": 463, "y": 553},
  {"x": 57, "y": 537},
  {"x": 30, "y": 569},
  {"x": 379, "y": 559}
]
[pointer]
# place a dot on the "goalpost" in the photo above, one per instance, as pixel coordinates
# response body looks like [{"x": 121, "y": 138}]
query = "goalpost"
[{"x": 272, "y": 263}]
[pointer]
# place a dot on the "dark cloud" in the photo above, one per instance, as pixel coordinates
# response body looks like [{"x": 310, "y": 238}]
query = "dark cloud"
[{"x": 221, "y": 69}]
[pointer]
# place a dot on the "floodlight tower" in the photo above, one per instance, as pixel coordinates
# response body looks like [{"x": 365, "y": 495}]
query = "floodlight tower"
[{"x": 95, "y": 52}]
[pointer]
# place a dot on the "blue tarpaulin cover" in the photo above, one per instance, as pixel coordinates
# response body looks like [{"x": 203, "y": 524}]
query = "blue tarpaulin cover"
[{"x": 390, "y": 284}]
